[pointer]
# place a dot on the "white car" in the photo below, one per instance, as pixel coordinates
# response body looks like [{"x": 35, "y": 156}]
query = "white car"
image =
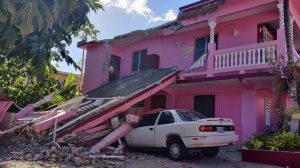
[{"x": 181, "y": 130}]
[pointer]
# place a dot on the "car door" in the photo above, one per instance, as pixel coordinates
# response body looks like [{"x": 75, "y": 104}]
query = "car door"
[
  {"x": 163, "y": 127},
  {"x": 143, "y": 134}
]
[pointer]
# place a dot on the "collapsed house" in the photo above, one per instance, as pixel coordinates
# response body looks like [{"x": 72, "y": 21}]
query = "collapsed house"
[{"x": 98, "y": 117}]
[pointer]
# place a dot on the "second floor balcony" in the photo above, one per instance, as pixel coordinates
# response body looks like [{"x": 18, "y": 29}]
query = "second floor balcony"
[
  {"x": 248, "y": 57},
  {"x": 240, "y": 60}
]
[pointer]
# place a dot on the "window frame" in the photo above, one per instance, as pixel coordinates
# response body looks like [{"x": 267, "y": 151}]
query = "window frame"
[
  {"x": 139, "y": 59},
  {"x": 205, "y": 48},
  {"x": 267, "y": 111},
  {"x": 180, "y": 115},
  {"x": 164, "y": 112},
  {"x": 207, "y": 40},
  {"x": 138, "y": 124}
]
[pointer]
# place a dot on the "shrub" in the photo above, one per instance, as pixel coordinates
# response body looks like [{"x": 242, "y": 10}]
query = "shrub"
[{"x": 282, "y": 141}]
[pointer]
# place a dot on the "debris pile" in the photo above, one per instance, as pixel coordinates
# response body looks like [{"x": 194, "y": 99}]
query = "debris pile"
[
  {"x": 84, "y": 129},
  {"x": 21, "y": 148}
]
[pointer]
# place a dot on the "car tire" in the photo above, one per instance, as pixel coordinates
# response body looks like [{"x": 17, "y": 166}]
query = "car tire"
[
  {"x": 176, "y": 150},
  {"x": 128, "y": 148},
  {"x": 210, "y": 152}
]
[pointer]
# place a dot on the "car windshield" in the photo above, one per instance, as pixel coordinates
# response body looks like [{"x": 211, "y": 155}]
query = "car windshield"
[{"x": 187, "y": 115}]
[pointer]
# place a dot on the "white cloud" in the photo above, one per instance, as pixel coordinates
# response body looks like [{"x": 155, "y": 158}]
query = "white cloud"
[
  {"x": 139, "y": 7},
  {"x": 170, "y": 15}
]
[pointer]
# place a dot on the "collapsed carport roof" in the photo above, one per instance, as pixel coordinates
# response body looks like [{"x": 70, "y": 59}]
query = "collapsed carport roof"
[{"x": 105, "y": 102}]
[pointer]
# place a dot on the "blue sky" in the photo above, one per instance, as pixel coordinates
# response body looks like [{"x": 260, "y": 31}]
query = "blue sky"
[{"x": 123, "y": 16}]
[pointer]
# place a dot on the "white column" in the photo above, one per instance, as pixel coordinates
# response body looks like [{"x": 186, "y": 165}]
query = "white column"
[
  {"x": 281, "y": 15},
  {"x": 292, "y": 28},
  {"x": 212, "y": 26}
]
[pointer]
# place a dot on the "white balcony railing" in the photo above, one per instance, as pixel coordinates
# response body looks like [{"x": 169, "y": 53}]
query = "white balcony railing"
[{"x": 255, "y": 54}]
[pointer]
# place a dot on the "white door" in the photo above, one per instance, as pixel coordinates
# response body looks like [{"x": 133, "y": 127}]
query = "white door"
[
  {"x": 143, "y": 134},
  {"x": 163, "y": 127}
]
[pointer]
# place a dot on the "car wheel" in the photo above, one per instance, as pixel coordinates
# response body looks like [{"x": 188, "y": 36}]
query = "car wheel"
[
  {"x": 126, "y": 144},
  {"x": 176, "y": 150},
  {"x": 210, "y": 152}
]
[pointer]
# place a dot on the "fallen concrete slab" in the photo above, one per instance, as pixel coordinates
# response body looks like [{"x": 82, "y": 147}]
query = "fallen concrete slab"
[{"x": 112, "y": 137}]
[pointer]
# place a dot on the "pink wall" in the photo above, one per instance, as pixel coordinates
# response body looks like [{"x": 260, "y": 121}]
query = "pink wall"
[
  {"x": 228, "y": 105},
  {"x": 232, "y": 7},
  {"x": 94, "y": 73},
  {"x": 166, "y": 48},
  {"x": 170, "y": 53},
  {"x": 248, "y": 114},
  {"x": 247, "y": 28}
]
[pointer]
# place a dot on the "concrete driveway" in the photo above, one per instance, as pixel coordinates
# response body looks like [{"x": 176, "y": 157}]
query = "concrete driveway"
[{"x": 227, "y": 158}]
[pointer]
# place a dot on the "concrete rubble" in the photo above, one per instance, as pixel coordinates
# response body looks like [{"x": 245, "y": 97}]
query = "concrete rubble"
[
  {"x": 23, "y": 143},
  {"x": 23, "y": 149}
]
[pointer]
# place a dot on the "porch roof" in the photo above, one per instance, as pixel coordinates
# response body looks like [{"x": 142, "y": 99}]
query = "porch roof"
[
  {"x": 126, "y": 86},
  {"x": 104, "y": 102}
]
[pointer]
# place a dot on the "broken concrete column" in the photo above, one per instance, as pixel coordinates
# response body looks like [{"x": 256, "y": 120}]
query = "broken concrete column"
[{"x": 112, "y": 137}]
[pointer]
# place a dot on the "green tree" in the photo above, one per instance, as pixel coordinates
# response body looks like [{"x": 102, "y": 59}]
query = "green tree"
[
  {"x": 21, "y": 85},
  {"x": 38, "y": 31},
  {"x": 69, "y": 88},
  {"x": 287, "y": 79},
  {"x": 292, "y": 67}
]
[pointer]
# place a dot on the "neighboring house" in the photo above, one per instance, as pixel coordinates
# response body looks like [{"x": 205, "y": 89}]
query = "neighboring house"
[{"x": 222, "y": 48}]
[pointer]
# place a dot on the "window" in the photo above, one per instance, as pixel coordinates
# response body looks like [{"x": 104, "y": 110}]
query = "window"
[
  {"x": 267, "y": 111},
  {"x": 158, "y": 101},
  {"x": 186, "y": 115},
  {"x": 136, "y": 59},
  {"x": 114, "y": 69},
  {"x": 148, "y": 120},
  {"x": 166, "y": 118},
  {"x": 201, "y": 46},
  {"x": 266, "y": 33},
  {"x": 205, "y": 104},
  {"x": 142, "y": 61}
]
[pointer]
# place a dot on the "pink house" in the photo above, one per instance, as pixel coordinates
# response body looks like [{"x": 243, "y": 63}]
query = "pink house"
[{"x": 222, "y": 49}]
